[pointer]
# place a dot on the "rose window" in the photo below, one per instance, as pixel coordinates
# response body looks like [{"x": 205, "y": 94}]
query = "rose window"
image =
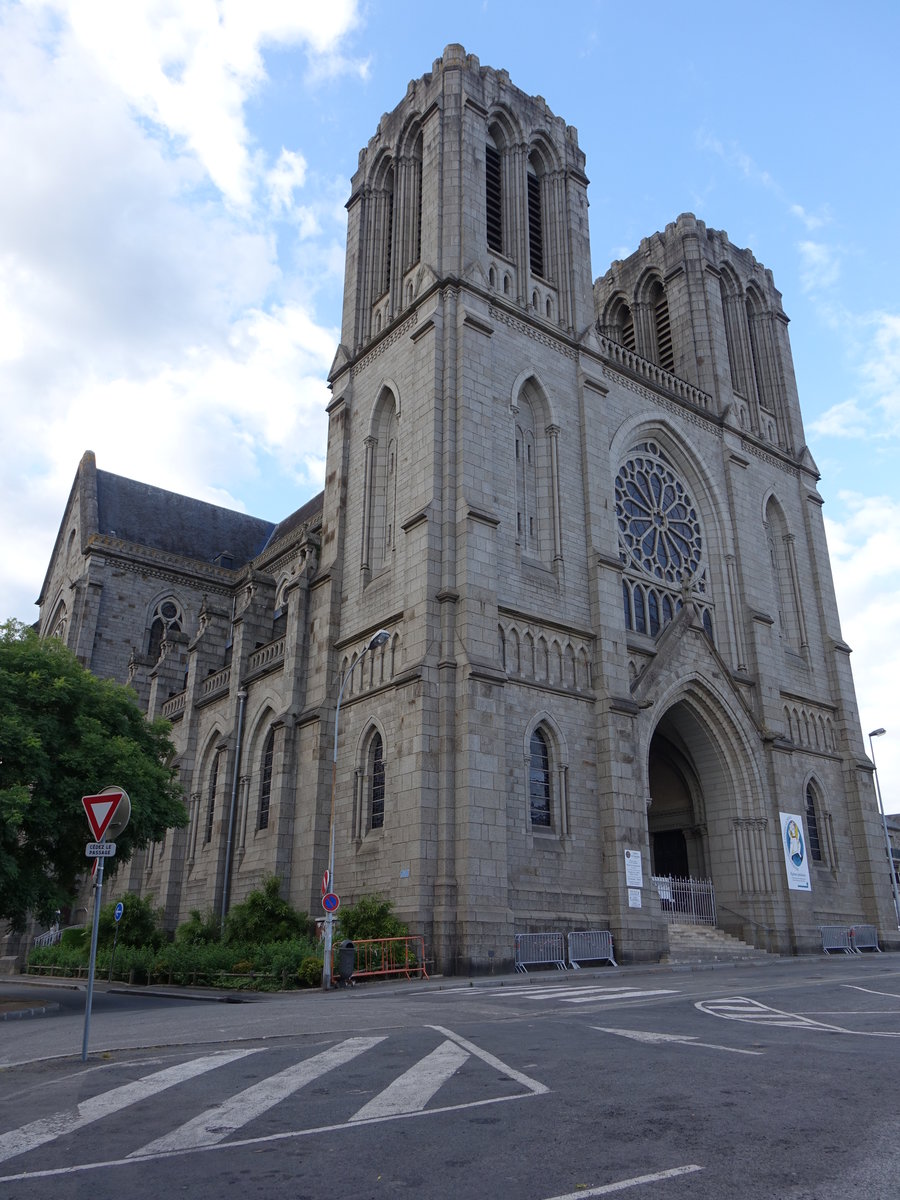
[{"x": 658, "y": 524}]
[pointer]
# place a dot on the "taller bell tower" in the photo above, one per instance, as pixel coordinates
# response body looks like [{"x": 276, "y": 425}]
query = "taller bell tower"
[{"x": 455, "y": 404}]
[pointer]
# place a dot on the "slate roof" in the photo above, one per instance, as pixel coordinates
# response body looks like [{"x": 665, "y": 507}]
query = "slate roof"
[
  {"x": 153, "y": 517},
  {"x": 304, "y": 513}
]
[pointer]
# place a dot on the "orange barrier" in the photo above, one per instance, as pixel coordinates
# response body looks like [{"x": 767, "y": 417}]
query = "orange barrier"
[{"x": 374, "y": 957}]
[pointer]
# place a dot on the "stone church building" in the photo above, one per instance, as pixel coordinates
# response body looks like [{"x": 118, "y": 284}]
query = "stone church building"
[{"x": 586, "y": 515}]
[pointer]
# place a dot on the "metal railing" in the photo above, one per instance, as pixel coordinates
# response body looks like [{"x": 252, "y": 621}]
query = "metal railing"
[
  {"x": 540, "y": 950},
  {"x": 375, "y": 957},
  {"x": 590, "y": 945},
  {"x": 686, "y": 901}
]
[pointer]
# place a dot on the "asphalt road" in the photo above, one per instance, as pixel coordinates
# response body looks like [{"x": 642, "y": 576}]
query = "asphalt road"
[{"x": 769, "y": 1082}]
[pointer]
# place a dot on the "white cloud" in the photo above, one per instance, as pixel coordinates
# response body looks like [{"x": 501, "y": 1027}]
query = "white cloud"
[
  {"x": 190, "y": 67},
  {"x": 875, "y": 412},
  {"x": 820, "y": 266},
  {"x": 151, "y": 309},
  {"x": 865, "y": 554}
]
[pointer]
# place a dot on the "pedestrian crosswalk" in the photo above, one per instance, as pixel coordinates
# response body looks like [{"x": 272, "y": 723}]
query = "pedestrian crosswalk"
[
  {"x": 565, "y": 993},
  {"x": 158, "y": 1102}
]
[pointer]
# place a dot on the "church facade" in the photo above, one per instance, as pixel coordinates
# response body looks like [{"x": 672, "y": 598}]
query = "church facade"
[{"x": 586, "y": 517}]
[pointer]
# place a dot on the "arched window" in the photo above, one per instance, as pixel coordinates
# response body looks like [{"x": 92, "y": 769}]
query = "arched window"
[
  {"x": 526, "y": 480},
  {"x": 265, "y": 781},
  {"x": 785, "y": 579},
  {"x": 535, "y": 450},
  {"x": 60, "y": 623},
  {"x": 381, "y": 474},
  {"x": 812, "y": 824},
  {"x": 167, "y": 617},
  {"x": 660, "y": 542},
  {"x": 211, "y": 797},
  {"x": 539, "y": 780},
  {"x": 620, "y": 324},
  {"x": 375, "y": 775}
]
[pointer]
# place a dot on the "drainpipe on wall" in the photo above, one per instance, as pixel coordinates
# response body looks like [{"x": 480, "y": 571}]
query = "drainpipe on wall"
[{"x": 226, "y": 887}]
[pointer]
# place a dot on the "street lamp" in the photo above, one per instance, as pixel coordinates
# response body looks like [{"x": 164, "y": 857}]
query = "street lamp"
[
  {"x": 377, "y": 639},
  {"x": 887, "y": 837}
]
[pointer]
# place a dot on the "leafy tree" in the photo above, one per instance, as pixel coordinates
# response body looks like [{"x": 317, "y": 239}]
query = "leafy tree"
[
  {"x": 65, "y": 734},
  {"x": 264, "y": 917}
]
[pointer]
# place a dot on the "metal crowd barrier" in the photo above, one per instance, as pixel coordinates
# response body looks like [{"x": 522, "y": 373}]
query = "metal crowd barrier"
[
  {"x": 540, "y": 950},
  {"x": 864, "y": 937},
  {"x": 836, "y": 937},
  {"x": 374, "y": 957},
  {"x": 590, "y": 945}
]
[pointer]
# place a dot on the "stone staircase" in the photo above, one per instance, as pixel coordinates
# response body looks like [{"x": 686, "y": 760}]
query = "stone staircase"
[{"x": 704, "y": 944}]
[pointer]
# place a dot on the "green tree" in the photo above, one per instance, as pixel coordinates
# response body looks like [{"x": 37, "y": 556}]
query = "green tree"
[{"x": 65, "y": 734}]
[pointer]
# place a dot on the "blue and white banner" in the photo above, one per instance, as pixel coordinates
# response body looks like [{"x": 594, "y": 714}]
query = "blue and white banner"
[{"x": 793, "y": 841}]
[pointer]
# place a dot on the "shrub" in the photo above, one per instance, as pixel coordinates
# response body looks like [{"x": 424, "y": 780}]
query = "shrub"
[
  {"x": 201, "y": 929},
  {"x": 370, "y": 917},
  {"x": 140, "y": 924},
  {"x": 264, "y": 917},
  {"x": 309, "y": 973}
]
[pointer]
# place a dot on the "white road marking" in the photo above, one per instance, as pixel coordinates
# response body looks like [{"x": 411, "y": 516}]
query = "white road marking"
[
  {"x": 36, "y": 1133},
  {"x": 578, "y": 994},
  {"x": 871, "y": 991},
  {"x": 638, "y": 1035},
  {"x": 622, "y": 1185},
  {"x": 218, "y": 1122},
  {"x": 412, "y": 1090},
  {"x": 538, "y": 1089},
  {"x": 741, "y": 1008},
  {"x": 395, "y": 1103}
]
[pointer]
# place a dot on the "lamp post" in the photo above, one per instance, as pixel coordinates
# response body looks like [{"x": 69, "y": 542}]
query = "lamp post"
[
  {"x": 887, "y": 837},
  {"x": 377, "y": 639}
]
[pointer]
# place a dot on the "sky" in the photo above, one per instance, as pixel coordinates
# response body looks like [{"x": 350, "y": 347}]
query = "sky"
[{"x": 172, "y": 230}]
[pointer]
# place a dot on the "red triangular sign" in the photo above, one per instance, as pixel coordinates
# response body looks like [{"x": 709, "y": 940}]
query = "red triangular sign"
[{"x": 100, "y": 811}]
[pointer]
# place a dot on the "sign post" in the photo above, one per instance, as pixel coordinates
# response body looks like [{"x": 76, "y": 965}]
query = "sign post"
[{"x": 107, "y": 812}]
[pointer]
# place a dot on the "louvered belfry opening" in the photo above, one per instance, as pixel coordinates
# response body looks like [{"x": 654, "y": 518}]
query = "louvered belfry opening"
[
  {"x": 494, "y": 200},
  {"x": 535, "y": 225},
  {"x": 665, "y": 350}
]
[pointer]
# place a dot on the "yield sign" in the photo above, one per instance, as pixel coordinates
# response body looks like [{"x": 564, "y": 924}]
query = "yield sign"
[{"x": 101, "y": 809}]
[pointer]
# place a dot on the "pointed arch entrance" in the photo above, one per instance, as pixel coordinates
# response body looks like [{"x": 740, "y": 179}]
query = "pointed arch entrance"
[{"x": 691, "y": 791}]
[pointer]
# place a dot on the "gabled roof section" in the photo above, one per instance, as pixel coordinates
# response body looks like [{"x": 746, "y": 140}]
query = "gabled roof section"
[{"x": 150, "y": 516}]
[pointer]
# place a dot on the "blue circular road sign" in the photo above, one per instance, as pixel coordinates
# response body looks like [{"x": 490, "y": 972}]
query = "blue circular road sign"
[
  {"x": 120, "y": 908},
  {"x": 331, "y": 902}
]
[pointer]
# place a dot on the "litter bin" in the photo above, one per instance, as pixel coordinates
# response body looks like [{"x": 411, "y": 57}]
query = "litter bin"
[{"x": 346, "y": 962}]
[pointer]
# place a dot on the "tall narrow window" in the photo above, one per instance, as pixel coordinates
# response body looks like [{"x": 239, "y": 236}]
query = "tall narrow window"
[
  {"x": 388, "y": 233},
  {"x": 539, "y": 779},
  {"x": 493, "y": 199},
  {"x": 665, "y": 351},
  {"x": 535, "y": 225},
  {"x": 265, "y": 781},
  {"x": 211, "y": 797},
  {"x": 376, "y": 782},
  {"x": 812, "y": 825}
]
